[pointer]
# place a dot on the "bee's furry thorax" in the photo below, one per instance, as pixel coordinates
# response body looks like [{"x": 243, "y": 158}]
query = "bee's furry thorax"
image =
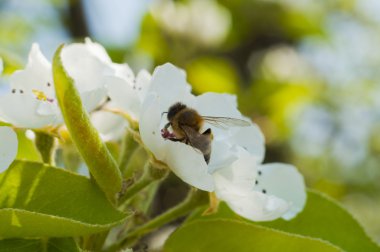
[{"x": 174, "y": 109}]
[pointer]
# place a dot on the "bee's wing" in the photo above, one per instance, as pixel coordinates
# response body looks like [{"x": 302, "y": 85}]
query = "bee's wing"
[
  {"x": 200, "y": 142},
  {"x": 225, "y": 122}
]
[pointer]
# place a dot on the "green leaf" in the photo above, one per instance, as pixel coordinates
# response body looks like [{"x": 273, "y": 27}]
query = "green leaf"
[
  {"x": 39, "y": 200},
  {"x": 26, "y": 148},
  {"x": 20, "y": 245},
  {"x": 322, "y": 218},
  {"x": 232, "y": 235},
  {"x": 95, "y": 153},
  {"x": 39, "y": 245},
  {"x": 62, "y": 245}
]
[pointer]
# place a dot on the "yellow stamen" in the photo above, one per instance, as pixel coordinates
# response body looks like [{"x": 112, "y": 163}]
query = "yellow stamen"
[
  {"x": 214, "y": 205},
  {"x": 39, "y": 95}
]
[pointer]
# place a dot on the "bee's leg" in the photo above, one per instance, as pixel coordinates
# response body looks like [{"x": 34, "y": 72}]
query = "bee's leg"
[{"x": 167, "y": 125}]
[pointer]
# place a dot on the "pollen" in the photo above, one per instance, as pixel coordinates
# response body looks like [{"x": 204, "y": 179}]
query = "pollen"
[{"x": 40, "y": 95}]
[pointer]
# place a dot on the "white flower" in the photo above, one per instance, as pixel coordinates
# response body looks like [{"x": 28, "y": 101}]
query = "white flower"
[
  {"x": 32, "y": 102},
  {"x": 168, "y": 86},
  {"x": 109, "y": 125},
  {"x": 260, "y": 192},
  {"x": 8, "y": 147},
  {"x": 127, "y": 91}
]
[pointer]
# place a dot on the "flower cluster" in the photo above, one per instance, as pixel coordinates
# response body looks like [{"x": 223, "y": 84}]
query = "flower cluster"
[{"x": 234, "y": 171}]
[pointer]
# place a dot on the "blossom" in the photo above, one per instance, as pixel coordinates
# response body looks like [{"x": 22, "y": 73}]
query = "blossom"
[
  {"x": 260, "y": 192},
  {"x": 168, "y": 86},
  {"x": 127, "y": 91},
  {"x": 32, "y": 102},
  {"x": 8, "y": 147},
  {"x": 109, "y": 125}
]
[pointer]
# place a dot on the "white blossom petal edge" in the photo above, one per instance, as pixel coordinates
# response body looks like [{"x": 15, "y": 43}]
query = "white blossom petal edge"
[
  {"x": 127, "y": 91},
  {"x": 8, "y": 147},
  {"x": 261, "y": 192}
]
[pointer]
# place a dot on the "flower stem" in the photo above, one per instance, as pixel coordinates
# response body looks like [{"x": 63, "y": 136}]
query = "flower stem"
[
  {"x": 45, "y": 145},
  {"x": 194, "y": 199},
  {"x": 127, "y": 149},
  {"x": 151, "y": 174}
]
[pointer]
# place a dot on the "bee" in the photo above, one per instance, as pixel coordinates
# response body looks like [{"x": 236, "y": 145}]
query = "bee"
[{"x": 187, "y": 123}]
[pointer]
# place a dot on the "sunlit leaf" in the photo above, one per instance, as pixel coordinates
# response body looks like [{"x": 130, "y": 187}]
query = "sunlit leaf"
[
  {"x": 232, "y": 235},
  {"x": 39, "y": 245},
  {"x": 26, "y": 148},
  {"x": 39, "y": 200}
]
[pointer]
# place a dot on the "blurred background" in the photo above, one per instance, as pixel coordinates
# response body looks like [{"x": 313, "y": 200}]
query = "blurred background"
[{"x": 307, "y": 72}]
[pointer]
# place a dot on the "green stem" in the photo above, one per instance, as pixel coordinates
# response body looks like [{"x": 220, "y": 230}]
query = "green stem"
[
  {"x": 44, "y": 243},
  {"x": 151, "y": 174},
  {"x": 45, "y": 145},
  {"x": 95, "y": 242},
  {"x": 127, "y": 149},
  {"x": 194, "y": 200}
]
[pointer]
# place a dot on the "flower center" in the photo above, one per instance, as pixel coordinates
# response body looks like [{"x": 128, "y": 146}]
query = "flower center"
[{"x": 41, "y": 96}]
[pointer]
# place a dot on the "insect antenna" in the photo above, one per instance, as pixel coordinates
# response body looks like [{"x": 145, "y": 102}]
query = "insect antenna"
[{"x": 163, "y": 113}]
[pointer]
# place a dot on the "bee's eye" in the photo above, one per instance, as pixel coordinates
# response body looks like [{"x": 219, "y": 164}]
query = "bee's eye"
[
  {"x": 21, "y": 91},
  {"x": 13, "y": 91},
  {"x": 48, "y": 84}
]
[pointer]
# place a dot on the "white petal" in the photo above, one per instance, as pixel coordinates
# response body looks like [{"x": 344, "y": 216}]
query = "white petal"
[
  {"x": 221, "y": 155},
  {"x": 8, "y": 147},
  {"x": 85, "y": 66},
  {"x": 169, "y": 83},
  {"x": 252, "y": 205},
  {"x": 21, "y": 111},
  {"x": 123, "y": 71},
  {"x": 110, "y": 126},
  {"x": 250, "y": 138},
  {"x": 213, "y": 104},
  {"x": 143, "y": 80},
  {"x": 150, "y": 128},
  {"x": 189, "y": 165},
  {"x": 92, "y": 98},
  {"x": 96, "y": 49},
  {"x": 257, "y": 206},
  {"x": 241, "y": 174},
  {"x": 124, "y": 95},
  {"x": 285, "y": 182},
  {"x": 37, "y": 75},
  {"x": 236, "y": 186}
]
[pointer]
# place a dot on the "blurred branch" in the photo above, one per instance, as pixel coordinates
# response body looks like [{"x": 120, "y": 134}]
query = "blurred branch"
[{"x": 75, "y": 20}]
